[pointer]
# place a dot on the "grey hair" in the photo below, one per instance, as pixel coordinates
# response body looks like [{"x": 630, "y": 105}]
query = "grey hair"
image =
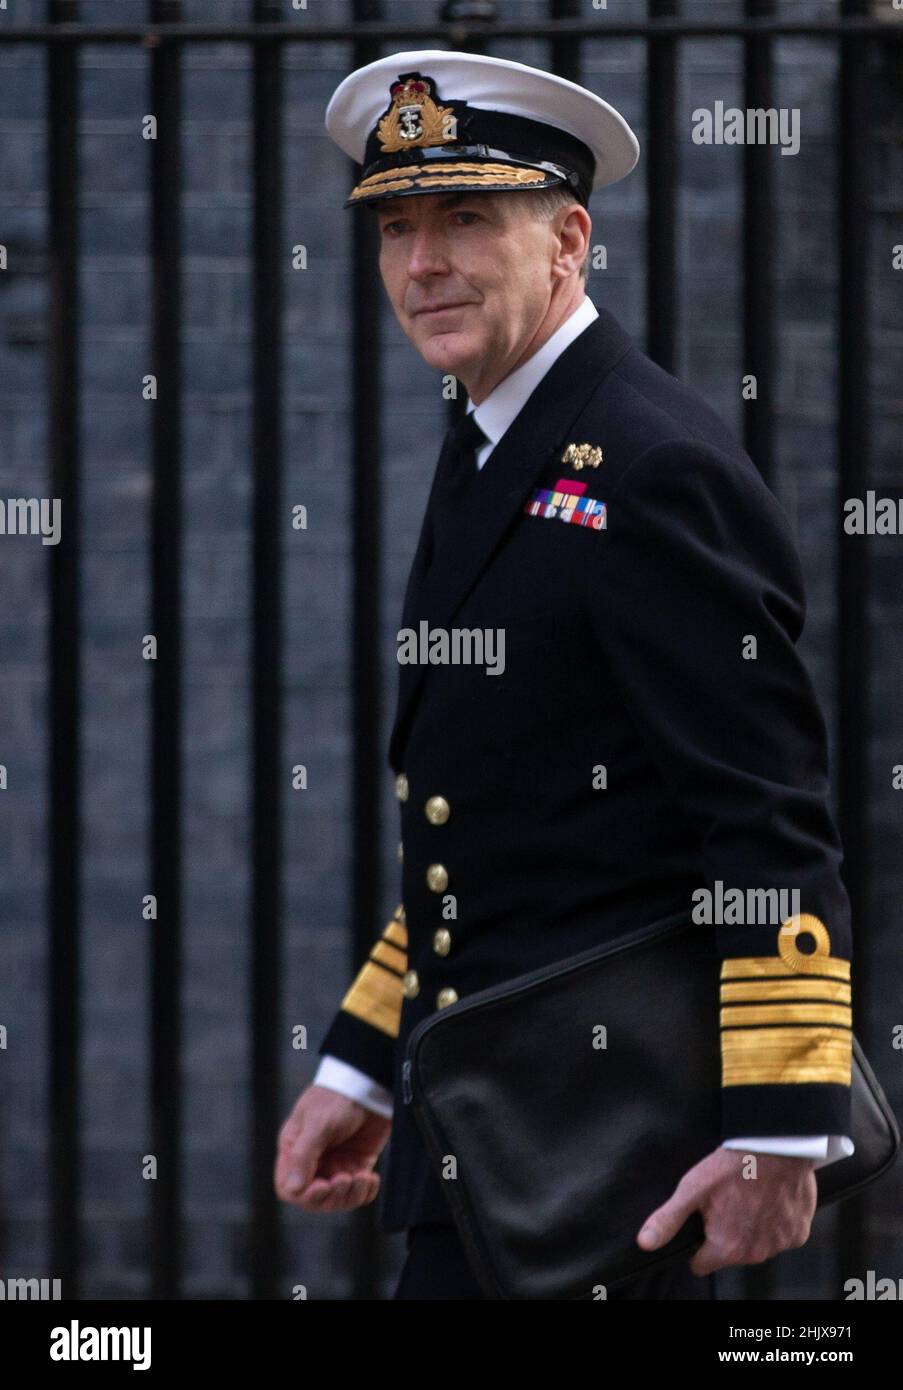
[{"x": 544, "y": 203}]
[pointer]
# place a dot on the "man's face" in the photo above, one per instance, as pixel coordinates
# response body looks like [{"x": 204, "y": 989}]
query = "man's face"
[{"x": 468, "y": 275}]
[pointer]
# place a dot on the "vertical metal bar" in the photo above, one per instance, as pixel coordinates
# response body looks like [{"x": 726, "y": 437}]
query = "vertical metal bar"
[
  {"x": 661, "y": 192},
  {"x": 266, "y": 891},
  {"x": 64, "y": 790},
  {"x": 464, "y": 40},
  {"x": 758, "y": 334},
  {"x": 166, "y": 609},
  {"x": 368, "y": 756},
  {"x": 565, "y": 51},
  {"x": 758, "y": 252},
  {"x": 853, "y": 446}
]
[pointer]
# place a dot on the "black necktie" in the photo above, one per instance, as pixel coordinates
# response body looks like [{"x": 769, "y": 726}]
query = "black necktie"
[
  {"x": 457, "y": 471},
  {"x": 459, "y": 452}
]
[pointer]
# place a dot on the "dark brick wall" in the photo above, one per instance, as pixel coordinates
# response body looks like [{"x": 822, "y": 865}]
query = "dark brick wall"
[{"x": 116, "y": 423}]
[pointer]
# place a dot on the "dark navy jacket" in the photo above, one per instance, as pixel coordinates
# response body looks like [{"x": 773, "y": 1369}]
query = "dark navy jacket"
[{"x": 626, "y": 649}]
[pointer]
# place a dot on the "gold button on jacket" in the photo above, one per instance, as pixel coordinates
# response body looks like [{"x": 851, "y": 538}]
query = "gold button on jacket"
[
  {"x": 437, "y": 810},
  {"x": 410, "y": 985},
  {"x": 401, "y": 787},
  {"x": 442, "y": 941},
  {"x": 437, "y": 877},
  {"x": 446, "y": 996}
]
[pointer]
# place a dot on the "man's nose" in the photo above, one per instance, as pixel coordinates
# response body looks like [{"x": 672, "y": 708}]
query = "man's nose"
[{"x": 427, "y": 254}]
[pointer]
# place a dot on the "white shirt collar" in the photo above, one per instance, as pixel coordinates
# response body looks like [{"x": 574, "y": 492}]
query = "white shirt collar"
[{"x": 506, "y": 400}]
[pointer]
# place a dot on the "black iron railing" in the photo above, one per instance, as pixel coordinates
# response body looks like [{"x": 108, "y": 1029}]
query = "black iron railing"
[{"x": 463, "y": 24}]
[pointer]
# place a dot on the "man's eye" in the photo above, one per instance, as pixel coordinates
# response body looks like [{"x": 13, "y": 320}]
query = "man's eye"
[
  {"x": 474, "y": 215},
  {"x": 387, "y": 227}
]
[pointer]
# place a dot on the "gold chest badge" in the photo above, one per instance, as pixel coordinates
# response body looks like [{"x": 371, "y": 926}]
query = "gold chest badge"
[
  {"x": 582, "y": 456},
  {"x": 414, "y": 118}
]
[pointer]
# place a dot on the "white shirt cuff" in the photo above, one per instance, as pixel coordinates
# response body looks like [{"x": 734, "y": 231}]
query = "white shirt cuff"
[
  {"x": 826, "y": 1148},
  {"x": 336, "y": 1075}
]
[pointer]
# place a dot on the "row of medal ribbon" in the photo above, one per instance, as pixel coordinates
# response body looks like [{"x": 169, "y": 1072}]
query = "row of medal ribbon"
[{"x": 567, "y": 506}]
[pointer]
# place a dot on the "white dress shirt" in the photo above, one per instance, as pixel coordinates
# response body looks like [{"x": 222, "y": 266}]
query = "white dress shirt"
[{"x": 504, "y": 402}]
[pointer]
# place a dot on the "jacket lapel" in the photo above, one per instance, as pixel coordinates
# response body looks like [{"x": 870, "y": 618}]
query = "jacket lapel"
[{"x": 473, "y": 529}]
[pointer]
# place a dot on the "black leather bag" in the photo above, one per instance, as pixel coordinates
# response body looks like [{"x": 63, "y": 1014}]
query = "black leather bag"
[{"x": 561, "y": 1148}]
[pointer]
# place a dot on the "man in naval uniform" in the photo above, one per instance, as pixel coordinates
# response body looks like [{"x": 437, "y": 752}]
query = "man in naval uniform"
[{"x": 649, "y": 590}]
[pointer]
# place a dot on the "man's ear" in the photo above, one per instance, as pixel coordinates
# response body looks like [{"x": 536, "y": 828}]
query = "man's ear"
[{"x": 575, "y": 236}]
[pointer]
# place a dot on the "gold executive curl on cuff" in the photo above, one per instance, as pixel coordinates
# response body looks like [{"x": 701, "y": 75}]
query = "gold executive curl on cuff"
[
  {"x": 375, "y": 994},
  {"x": 786, "y": 1019},
  {"x": 790, "y": 952}
]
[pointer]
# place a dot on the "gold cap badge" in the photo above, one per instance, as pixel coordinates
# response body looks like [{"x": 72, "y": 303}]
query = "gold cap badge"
[{"x": 414, "y": 118}]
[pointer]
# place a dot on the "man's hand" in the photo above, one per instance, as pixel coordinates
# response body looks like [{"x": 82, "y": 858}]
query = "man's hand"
[
  {"x": 327, "y": 1150},
  {"x": 747, "y": 1220}
]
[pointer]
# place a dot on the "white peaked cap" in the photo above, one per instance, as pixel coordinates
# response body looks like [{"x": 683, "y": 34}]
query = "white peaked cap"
[{"x": 436, "y": 120}]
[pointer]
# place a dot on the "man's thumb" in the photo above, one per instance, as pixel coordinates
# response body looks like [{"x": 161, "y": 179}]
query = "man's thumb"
[
  {"x": 666, "y": 1221},
  {"x": 303, "y": 1159}
]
